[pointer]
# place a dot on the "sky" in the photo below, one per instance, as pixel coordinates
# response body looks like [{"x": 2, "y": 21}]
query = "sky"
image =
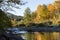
[{"x": 32, "y": 4}]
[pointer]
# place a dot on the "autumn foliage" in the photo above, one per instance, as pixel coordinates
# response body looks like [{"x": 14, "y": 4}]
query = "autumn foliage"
[{"x": 45, "y": 13}]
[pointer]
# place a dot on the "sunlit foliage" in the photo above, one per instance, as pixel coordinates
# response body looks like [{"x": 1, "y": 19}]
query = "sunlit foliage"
[{"x": 27, "y": 16}]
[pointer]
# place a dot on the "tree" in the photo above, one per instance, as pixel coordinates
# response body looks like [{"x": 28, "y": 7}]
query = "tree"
[
  {"x": 38, "y": 13},
  {"x": 27, "y": 17},
  {"x": 13, "y": 1},
  {"x": 4, "y": 20},
  {"x": 57, "y": 6},
  {"x": 44, "y": 13},
  {"x": 6, "y": 5},
  {"x": 43, "y": 10},
  {"x": 21, "y": 23},
  {"x": 38, "y": 10},
  {"x": 33, "y": 17},
  {"x": 14, "y": 22},
  {"x": 51, "y": 10}
]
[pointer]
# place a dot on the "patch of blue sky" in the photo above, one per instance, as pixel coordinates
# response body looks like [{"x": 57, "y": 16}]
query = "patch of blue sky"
[{"x": 32, "y": 4}]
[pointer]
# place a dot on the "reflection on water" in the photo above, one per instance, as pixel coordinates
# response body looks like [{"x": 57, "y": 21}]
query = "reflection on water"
[
  {"x": 41, "y": 36},
  {"x": 37, "y": 35}
]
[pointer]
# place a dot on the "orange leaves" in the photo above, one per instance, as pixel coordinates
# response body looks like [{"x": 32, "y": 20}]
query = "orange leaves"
[
  {"x": 51, "y": 7},
  {"x": 57, "y": 4},
  {"x": 38, "y": 9},
  {"x": 46, "y": 12}
]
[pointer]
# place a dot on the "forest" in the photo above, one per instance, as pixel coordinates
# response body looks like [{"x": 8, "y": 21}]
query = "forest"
[
  {"x": 48, "y": 15},
  {"x": 45, "y": 14}
]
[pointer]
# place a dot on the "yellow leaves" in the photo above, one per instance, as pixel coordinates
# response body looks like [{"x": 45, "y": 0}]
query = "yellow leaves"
[
  {"x": 42, "y": 14},
  {"x": 47, "y": 12},
  {"x": 38, "y": 9},
  {"x": 14, "y": 23},
  {"x": 54, "y": 20},
  {"x": 55, "y": 35},
  {"x": 57, "y": 4},
  {"x": 51, "y": 7},
  {"x": 20, "y": 22},
  {"x": 38, "y": 36}
]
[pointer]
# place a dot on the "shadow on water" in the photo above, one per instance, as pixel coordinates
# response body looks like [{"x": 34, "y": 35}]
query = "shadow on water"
[{"x": 28, "y": 34}]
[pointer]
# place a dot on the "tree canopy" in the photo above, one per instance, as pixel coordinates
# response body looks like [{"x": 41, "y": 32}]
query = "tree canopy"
[
  {"x": 27, "y": 16},
  {"x": 4, "y": 20},
  {"x": 7, "y": 4}
]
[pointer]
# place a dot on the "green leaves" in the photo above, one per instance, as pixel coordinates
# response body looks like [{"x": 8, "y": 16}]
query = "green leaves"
[
  {"x": 4, "y": 20},
  {"x": 44, "y": 10},
  {"x": 27, "y": 16}
]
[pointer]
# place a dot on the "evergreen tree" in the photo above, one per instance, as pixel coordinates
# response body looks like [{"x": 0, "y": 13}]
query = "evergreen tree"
[
  {"x": 4, "y": 20},
  {"x": 6, "y": 5},
  {"x": 27, "y": 17}
]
